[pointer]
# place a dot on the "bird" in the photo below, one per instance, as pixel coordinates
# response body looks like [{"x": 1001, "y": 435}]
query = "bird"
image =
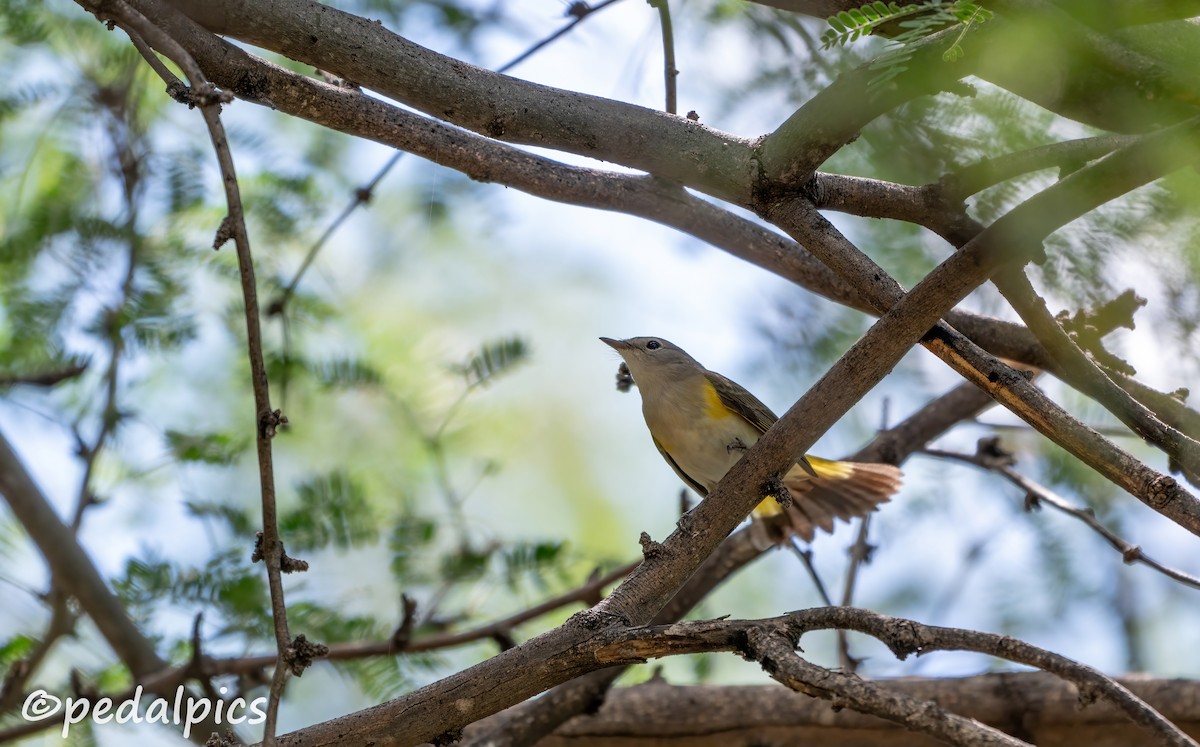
[{"x": 703, "y": 423}]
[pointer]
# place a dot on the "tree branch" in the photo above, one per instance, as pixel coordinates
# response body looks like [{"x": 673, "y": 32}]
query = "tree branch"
[
  {"x": 1034, "y": 706},
  {"x": 270, "y": 549},
  {"x": 477, "y": 99},
  {"x": 74, "y": 574},
  {"x": 1092, "y": 381},
  {"x": 991, "y": 458},
  {"x": 902, "y": 636},
  {"x": 527, "y": 723}
]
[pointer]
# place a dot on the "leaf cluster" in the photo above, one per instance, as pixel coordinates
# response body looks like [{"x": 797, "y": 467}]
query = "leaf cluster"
[{"x": 913, "y": 22}]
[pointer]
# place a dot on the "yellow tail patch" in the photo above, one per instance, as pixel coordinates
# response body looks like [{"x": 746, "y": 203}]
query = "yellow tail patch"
[{"x": 830, "y": 469}]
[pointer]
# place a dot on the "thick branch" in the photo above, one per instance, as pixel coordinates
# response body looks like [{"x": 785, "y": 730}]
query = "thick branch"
[
  {"x": 1035, "y": 706},
  {"x": 526, "y": 723},
  {"x": 903, "y": 637},
  {"x": 1025, "y": 227},
  {"x": 486, "y": 102}
]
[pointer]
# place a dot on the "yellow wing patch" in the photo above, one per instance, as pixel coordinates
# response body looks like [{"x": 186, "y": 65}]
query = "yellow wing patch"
[{"x": 714, "y": 406}]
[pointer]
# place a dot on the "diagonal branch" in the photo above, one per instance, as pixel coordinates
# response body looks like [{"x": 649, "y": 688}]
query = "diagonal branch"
[
  {"x": 1023, "y": 229},
  {"x": 477, "y": 99},
  {"x": 1036, "y": 494},
  {"x": 1183, "y": 451},
  {"x": 530, "y": 721},
  {"x": 75, "y": 575}
]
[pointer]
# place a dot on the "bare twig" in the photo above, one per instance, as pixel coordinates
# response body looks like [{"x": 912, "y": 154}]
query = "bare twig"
[
  {"x": 670, "y": 73},
  {"x": 361, "y": 197},
  {"x": 805, "y": 555},
  {"x": 209, "y": 100},
  {"x": 991, "y": 458},
  {"x": 578, "y": 11},
  {"x": 860, "y": 553}
]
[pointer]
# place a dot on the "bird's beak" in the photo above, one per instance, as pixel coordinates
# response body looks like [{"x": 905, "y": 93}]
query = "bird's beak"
[{"x": 617, "y": 345}]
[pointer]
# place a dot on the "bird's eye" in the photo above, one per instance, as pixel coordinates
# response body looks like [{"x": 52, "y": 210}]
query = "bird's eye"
[{"x": 653, "y": 345}]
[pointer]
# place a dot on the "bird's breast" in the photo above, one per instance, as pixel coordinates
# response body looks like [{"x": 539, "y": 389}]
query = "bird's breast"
[{"x": 703, "y": 437}]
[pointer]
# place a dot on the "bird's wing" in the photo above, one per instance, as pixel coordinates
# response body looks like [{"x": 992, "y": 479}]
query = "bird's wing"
[
  {"x": 736, "y": 398},
  {"x": 750, "y": 408},
  {"x": 682, "y": 475}
]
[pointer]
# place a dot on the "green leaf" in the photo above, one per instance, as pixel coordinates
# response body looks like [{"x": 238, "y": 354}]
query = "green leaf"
[
  {"x": 467, "y": 564},
  {"x": 530, "y": 558},
  {"x": 492, "y": 360},
  {"x": 408, "y": 540},
  {"x": 208, "y": 448},
  {"x": 333, "y": 510},
  {"x": 239, "y": 521},
  {"x": 15, "y": 648},
  {"x": 849, "y": 25},
  {"x": 345, "y": 373}
]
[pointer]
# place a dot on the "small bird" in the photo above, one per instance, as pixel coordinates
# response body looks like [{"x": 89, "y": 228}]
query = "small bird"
[{"x": 703, "y": 423}]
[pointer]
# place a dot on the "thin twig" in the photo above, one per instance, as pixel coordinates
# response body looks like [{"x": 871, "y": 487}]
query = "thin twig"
[
  {"x": 1037, "y": 494},
  {"x": 579, "y": 11},
  {"x": 964, "y": 182},
  {"x": 362, "y": 196},
  {"x": 209, "y": 100},
  {"x": 806, "y": 557},
  {"x": 44, "y": 378},
  {"x": 670, "y": 73},
  {"x": 860, "y": 553}
]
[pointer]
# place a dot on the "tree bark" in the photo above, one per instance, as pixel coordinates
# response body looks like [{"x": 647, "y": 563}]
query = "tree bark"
[{"x": 1034, "y": 706}]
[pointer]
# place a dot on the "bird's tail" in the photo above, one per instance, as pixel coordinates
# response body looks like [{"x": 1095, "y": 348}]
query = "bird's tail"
[{"x": 840, "y": 490}]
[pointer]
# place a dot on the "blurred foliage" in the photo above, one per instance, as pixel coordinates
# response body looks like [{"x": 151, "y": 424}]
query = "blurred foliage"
[{"x": 111, "y": 200}]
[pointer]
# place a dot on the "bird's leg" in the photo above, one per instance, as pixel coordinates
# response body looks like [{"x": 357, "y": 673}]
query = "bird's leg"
[{"x": 736, "y": 445}]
